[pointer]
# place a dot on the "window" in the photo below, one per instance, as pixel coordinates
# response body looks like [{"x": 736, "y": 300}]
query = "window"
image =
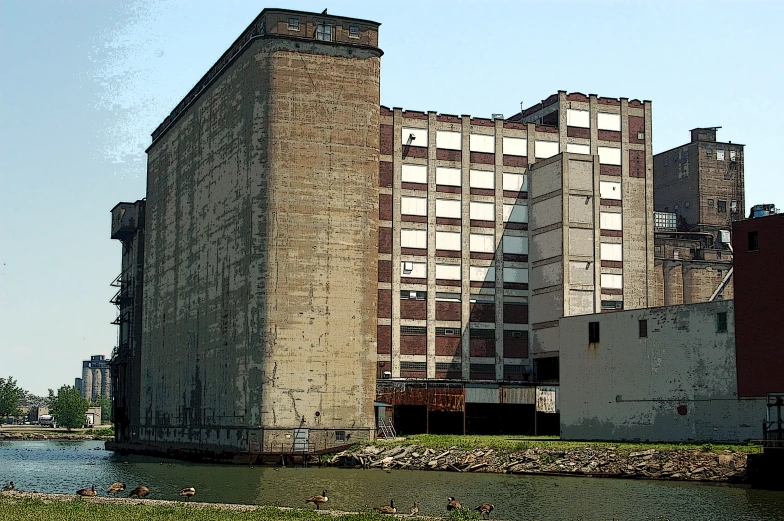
[
  {"x": 612, "y": 305},
  {"x": 353, "y": 31},
  {"x": 734, "y": 206},
  {"x": 324, "y": 32},
  {"x": 293, "y": 24},
  {"x": 413, "y": 330},
  {"x": 722, "y": 206},
  {"x": 643, "y": 328},
  {"x": 686, "y": 204},
  {"x": 482, "y": 333},
  {"x": 720, "y": 155},
  {"x": 340, "y": 435},
  {"x": 733, "y": 155},
  {"x": 413, "y": 366},
  {"x": 413, "y": 295},
  {"x": 593, "y": 332},
  {"x": 448, "y": 366},
  {"x": 753, "y": 241},
  {"x": 510, "y": 333},
  {"x": 721, "y": 322},
  {"x": 447, "y": 331},
  {"x": 710, "y": 203},
  {"x": 482, "y": 368}
]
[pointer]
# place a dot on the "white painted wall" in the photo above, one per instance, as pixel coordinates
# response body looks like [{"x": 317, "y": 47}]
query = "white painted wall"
[
  {"x": 605, "y": 121},
  {"x": 609, "y": 155},
  {"x": 450, "y": 208},
  {"x": 515, "y": 146},
  {"x": 413, "y": 205},
  {"x": 545, "y": 149},
  {"x": 482, "y": 179},
  {"x": 515, "y": 182},
  {"x": 630, "y": 388},
  {"x": 413, "y": 238},
  {"x": 447, "y": 176},
  {"x": 448, "y": 139},
  {"x": 482, "y": 243},
  {"x": 610, "y": 190},
  {"x": 417, "y": 270},
  {"x": 515, "y": 245},
  {"x": 482, "y": 273},
  {"x": 448, "y": 241},
  {"x": 448, "y": 272},
  {"x": 414, "y": 174},
  {"x": 516, "y": 275},
  {"x": 610, "y": 220},
  {"x": 515, "y": 213},
  {"x": 578, "y": 118},
  {"x": 576, "y": 148},
  {"x": 420, "y": 136},
  {"x": 482, "y": 143},
  {"x": 611, "y": 281},
  {"x": 611, "y": 252},
  {"x": 482, "y": 211}
]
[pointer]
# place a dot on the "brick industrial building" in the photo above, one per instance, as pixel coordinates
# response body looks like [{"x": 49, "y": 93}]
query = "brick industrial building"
[{"x": 303, "y": 251}]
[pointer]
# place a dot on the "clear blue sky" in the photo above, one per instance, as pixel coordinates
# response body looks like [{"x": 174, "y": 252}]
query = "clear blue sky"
[{"x": 84, "y": 83}]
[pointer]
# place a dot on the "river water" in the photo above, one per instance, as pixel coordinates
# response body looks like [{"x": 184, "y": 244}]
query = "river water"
[{"x": 65, "y": 466}]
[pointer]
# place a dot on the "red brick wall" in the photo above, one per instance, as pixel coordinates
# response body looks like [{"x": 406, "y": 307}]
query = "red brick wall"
[
  {"x": 384, "y": 339},
  {"x": 482, "y": 312},
  {"x": 386, "y": 139},
  {"x": 384, "y": 303},
  {"x": 636, "y": 163},
  {"x": 385, "y": 174},
  {"x": 636, "y": 125},
  {"x": 413, "y": 344},
  {"x": 482, "y": 347},
  {"x": 384, "y": 239},
  {"x": 413, "y": 309},
  {"x": 448, "y": 310},
  {"x": 385, "y": 207},
  {"x": 448, "y": 346},
  {"x": 759, "y": 301},
  {"x": 515, "y": 313},
  {"x": 516, "y": 347},
  {"x": 384, "y": 271}
]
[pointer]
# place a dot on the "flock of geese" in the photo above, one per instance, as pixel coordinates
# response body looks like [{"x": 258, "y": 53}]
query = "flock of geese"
[
  {"x": 188, "y": 492},
  {"x": 452, "y": 504}
]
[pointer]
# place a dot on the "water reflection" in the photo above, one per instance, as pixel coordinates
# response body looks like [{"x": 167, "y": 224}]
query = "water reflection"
[{"x": 64, "y": 467}]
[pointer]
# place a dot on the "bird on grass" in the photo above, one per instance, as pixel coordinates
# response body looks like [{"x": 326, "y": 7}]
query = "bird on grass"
[
  {"x": 388, "y": 509},
  {"x": 415, "y": 509},
  {"x": 87, "y": 492},
  {"x": 140, "y": 491},
  {"x": 318, "y": 500},
  {"x": 453, "y": 504},
  {"x": 187, "y": 493},
  {"x": 8, "y": 487},
  {"x": 115, "y": 487},
  {"x": 485, "y": 509}
]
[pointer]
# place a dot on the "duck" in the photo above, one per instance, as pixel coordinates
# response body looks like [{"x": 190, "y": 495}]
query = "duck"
[
  {"x": 87, "y": 492},
  {"x": 318, "y": 500},
  {"x": 187, "y": 493},
  {"x": 453, "y": 504},
  {"x": 10, "y": 486},
  {"x": 139, "y": 491},
  {"x": 388, "y": 509},
  {"x": 115, "y": 487},
  {"x": 415, "y": 509},
  {"x": 485, "y": 509}
]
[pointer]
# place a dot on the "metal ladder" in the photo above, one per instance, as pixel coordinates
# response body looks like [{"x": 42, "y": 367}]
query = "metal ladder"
[{"x": 387, "y": 430}]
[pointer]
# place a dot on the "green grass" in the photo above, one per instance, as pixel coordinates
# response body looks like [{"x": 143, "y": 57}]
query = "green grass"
[
  {"x": 37, "y": 509},
  {"x": 101, "y": 431},
  {"x": 518, "y": 443}
]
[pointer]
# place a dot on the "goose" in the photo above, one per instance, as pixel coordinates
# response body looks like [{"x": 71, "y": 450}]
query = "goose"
[
  {"x": 485, "y": 509},
  {"x": 115, "y": 487},
  {"x": 388, "y": 509},
  {"x": 8, "y": 487},
  {"x": 87, "y": 492},
  {"x": 140, "y": 491},
  {"x": 318, "y": 500},
  {"x": 415, "y": 509},
  {"x": 187, "y": 493},
  {"x": 453, "y": 504}
]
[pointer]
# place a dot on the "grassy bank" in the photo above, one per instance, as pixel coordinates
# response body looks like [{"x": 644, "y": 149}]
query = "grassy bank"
[
  {"x": 518, "y": 443},
  {"x": 106, "y": 509}
]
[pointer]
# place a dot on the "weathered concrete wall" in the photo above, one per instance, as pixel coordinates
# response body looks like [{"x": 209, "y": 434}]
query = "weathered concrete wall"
[
  {"x": 261, "y": 254},
  {"x": 679, "y": 383}
]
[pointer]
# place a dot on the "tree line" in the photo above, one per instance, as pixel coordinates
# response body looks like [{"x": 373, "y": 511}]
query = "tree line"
[{"x": 67, "y": 406}]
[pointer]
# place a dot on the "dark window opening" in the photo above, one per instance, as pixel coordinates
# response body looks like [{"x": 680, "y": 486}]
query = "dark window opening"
[
  {"x": 643, "y": 328},
  {"x": 546, "y": 368},
  {"x": 721, "y": 206},
  {"x": 324, "y": 32},
  {"x": 293, "y": 24},
  {"x": 593, "y": 332},
  {"x": 449, "y": 366},
  {"x": 753, "y": 241},
  {"x": 340, "y": 435},
  {"x": 413, "y": 330},
  {"x": 482, "y": 333},
  {"x": 353, "y": 31},
  {"x": 612, "y": 305},
  {"x": 413, "y": 295},
  {"x": 721, "y": 322},
  {"x": 413, "y": 366}
]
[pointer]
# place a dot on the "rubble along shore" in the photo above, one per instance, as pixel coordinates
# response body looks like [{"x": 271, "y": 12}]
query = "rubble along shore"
[
  {"x": 665, "y": 464},
  {"x": 58, "y": 436}
]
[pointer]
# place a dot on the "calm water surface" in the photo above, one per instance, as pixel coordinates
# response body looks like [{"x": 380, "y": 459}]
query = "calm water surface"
[{"x": 64, "y": 467}]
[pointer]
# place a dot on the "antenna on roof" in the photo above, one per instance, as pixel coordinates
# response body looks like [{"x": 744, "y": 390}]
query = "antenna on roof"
[
  {"x": 324, "y": 11},
  {"x": 521, "y": 107}
]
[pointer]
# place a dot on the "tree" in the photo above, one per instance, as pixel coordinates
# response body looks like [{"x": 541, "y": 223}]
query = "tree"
[
  {"x": 68, "y": 407},
  {"x": 10, "y": 394},
  {"x": 106, "y": 408}
]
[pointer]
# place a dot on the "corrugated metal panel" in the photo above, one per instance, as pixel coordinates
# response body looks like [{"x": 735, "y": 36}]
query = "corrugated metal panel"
[
  {"x": 546, "y": 399},
  {"x": 519, "y": 395},
  {"x": 482, "y": 394}
]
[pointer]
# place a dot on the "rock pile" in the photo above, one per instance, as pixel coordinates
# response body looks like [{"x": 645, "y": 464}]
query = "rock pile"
[
  {"x": 9, "y": 436},
  {"x": 674, "y": 464}
]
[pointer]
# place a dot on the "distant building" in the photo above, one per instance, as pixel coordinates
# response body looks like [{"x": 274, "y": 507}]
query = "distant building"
[
  {"x": 96, "y": 379},
  {"x": 701, "y": 185}
]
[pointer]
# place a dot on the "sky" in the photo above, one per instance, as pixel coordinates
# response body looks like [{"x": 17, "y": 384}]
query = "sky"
[{"x": 85, "y": 82}]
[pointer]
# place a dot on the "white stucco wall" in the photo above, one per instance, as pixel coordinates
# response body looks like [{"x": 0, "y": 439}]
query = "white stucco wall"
[{"x": 678, "y": 384}]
